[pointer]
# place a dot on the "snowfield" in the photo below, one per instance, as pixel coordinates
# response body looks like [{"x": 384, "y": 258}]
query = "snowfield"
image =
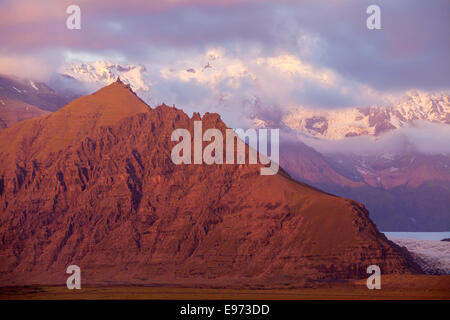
[
  {"x": 432, "y": 255},
  {"x": 357, "y": 121}
]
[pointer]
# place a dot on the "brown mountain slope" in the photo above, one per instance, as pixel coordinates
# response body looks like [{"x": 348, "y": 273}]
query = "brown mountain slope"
[
  {"x": 37, "y": 138},
  {"x": 106, "y": 196},
  {"x": 408, "y": 192},
  {"x": 13, "y": 111}
]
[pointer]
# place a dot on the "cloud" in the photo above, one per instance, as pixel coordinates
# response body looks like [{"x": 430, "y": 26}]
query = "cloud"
[
  {"x": 425, "y": 137},
  {"x": 250, "y": 84},
  {"x": 27, "y": 66},
  {"x": 408, "y": 52},
  {"x": 261, "y": 55}
]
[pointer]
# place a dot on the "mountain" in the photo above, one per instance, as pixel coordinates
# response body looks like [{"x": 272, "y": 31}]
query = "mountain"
[
  {"x": 93, "y": 184},
  {"x": 22, "y": 99},
  {"x": 404, "y": 191},
  {"x": 374, "y": 156},
  {"x": 389, "y": 170},
  {"x": 375, "y": 120},
  {"x": 71, "y": 123},
  {"x": 306, "y": 164},
  {"x": 12, "y": 111},
  {"x": 34, "y": 93}
]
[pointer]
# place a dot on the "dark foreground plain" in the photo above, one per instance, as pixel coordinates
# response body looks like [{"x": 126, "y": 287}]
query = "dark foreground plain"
[{"x": 404, "y": 287}]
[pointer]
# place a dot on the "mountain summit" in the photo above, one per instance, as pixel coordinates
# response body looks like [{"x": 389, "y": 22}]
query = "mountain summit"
[
  {"x": 40, "y": 136},
  {"x": 93, "y": 185}
]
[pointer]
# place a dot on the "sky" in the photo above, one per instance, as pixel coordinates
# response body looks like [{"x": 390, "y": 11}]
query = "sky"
[{"x": 241, "y": 58}]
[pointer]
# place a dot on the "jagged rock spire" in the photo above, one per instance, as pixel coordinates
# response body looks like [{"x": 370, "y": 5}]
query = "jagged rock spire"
[{"x": 118, "y": 80}]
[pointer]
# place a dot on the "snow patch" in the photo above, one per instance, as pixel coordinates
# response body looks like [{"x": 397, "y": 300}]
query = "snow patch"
[
  {"x": 414, "y": 106},
  {"x": 34, "y": 85}
]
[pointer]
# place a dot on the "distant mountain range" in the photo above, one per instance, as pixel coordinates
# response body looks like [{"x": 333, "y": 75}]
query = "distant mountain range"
[
  {"x": 327, "y": 124},
  {"x": 22, "y": 99},
  {"x": 375, "y": 120},
  {"x": 408, "y": 191},
  {"x": 403, "y": 187}
]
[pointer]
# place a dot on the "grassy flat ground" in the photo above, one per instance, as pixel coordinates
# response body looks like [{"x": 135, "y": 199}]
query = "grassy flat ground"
[{"x": 392, "y": 287}]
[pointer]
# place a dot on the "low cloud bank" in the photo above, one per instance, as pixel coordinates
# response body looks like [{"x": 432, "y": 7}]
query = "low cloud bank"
[{"x": 422, "y": 136}]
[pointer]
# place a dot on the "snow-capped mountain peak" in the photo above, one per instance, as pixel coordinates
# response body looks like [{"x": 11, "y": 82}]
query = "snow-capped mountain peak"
[
  {"x": 101, "y": 73},
  {"x": 373, "y": 120}
]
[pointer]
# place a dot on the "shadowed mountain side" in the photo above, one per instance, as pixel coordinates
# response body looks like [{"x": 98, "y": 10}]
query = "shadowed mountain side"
[
  {"x": 22, "y": 99},
  {"x": 33, "y": 93},
  {"x": 411, "y": 193},
  {"x": 102, "y": 192},
  {"x": 306, "y": 164},
  {"x": 423, "y": 208}
]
